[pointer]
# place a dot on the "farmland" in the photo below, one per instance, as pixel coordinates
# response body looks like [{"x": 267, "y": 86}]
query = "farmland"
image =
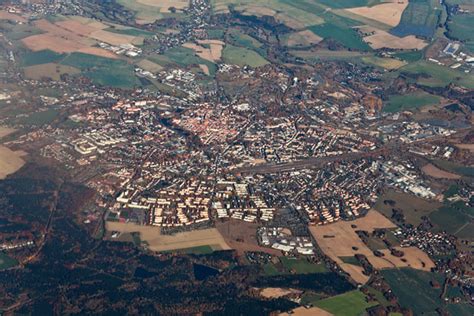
[
  {"x": 456, "y": 219},
  {"x": 349, "y": 304},
  {"x": 147, "y": 11},
  {"x": 193, "y": 241},
  {"x": 404, "y": 282},
  {"x": 6, "y": 261},
  {"x": 49, "y": 70},
  {"x": 413, "y": 101},
  {"x": 242, "y": 56},
  {"x": 10, "y": 161},
  {"x": 419, "y": 18}
]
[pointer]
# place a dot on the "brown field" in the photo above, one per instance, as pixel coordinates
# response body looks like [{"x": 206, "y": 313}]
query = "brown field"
[
  {"x": 276, "y": 292},
  {"x": 212, "y": 54},
  {"x": 415, "y": 258},
  {"x": 241, "y": 236},
  {"x": 164, "y": 5},
  {"x": 433, "y": 171},
  {"x": 388, "y": 13},
  {"x": 340, "y": 240},
  {"x": 157, "y": 242},
  {"x": 204, "y": 69},
  {"x": 303, "y": 38},
  {"x": 10, "y": 161},
  {"x": 76, "y": 35},
  {"x": 50, "y": 70},
  {"x": 4, "y": 15},
  {"x": 255, "y": 10},
  {"x": 383, "y": 39},
  {"x": 303, "y": 311}
]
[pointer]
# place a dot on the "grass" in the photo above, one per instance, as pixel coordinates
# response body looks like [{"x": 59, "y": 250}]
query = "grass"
[
  {"x": 40, "y": 57},
  {"x": 184, "y": 57},
  {"x": 40, "y": 118},
  {"x": 433, "y": 75},
  {"x": 343, "y": 35},
  {"x": 454, "y": 167},
  {"x": 311, "y": 298},
  {"x": 130, "y": 31},
  {"x": 419, "y": 18},
  {"x": 460, "y": 27},
  {"x": 456, "y": 219},
  {"x": 17, "y": 32},
  {"x": 386, "y": 63},
  {"x": 378, "y": 296},
  {"x": 348, "y": 304},
  {"x": 302, "y": 266},
  {"x": 413, "y": 289},
  {"x": 412, "y": 101},
  {"x": 104, "y": 71},
  {"x": 242, "y": 57},
  {"x": 6, "y": 261},
  {"x": 413, "y": 207},
  {"x": 198, "y": 250},
  {"x": 350, "y": 260},
  {"x": 409, "y": 57},
  {"x": 269, "y": 269}
]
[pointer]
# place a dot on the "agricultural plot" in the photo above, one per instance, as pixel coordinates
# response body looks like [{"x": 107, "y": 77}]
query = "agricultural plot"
[
  {"x": 50, "y": 71},
  {"x": 192, "y": 241},
  {"x": 148, "y": 11},
  {"x": 413, "y": 208},
  {"x": 409, "y": 57},
  {"x": 183, "y": 56},
  {"x": 420, "y": 18},
  {"x": 104, "y": 71},
  {"x": 242, "y": 57},
  {"x": 10, "y": 162},
  {"x": 381, "y": 39},
  {"x": 460, "y": 27},
  {"x": 397, "y": 103},
  {"x": 301, "y": 39},
  {"x": 352, "y": 303},
  {"x": 404, "y": 282},
  {"x": 456, "y": 219},
  {"x": 6, "y": 261},
  {"x": 386, "y": 63},
  {"x": 340, "y": 240},
  {"x": 30, "y": 58},
  {"x": 433, "y": 75},
  {"x": 389, "y": 13}
]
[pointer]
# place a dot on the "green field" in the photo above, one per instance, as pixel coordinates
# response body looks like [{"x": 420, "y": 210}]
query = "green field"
[
  {"x": 198, "y": 250},
  {"x": 143, "y": 12},
  {"x": 6, "y": 261},
  {"x": 184, "y": 57},
  {"x": 412, "y": 101},
  {"x": 104, "y": 71},
  {"x": 242, "y": 56},
  {"x": 419, "y": 18},
  {"x": 40, "y": 57},
  {"x": 454, "y": 167},
  {"x": 456, "y": 219},
  {"x": 413, "y": 289},
  {"x": 130, "y": 31},
  {"x": 460, "y": 27},
  {"x": 350, "y": 260},
  {"x": 410, "y": 57},
  {"x": 18, "y": 31},
  {"x": 433, "y": 75},
  {"x": 39, "y": 118},
  {"x": 343, "y": 35},
  {"x": 348, "y": 304},
  {"x": 413, "y": 207},
  {"x": 302, "y": 266}
]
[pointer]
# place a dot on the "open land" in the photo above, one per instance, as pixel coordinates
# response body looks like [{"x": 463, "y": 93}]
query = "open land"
[
  {"x": 10, "y": 161},
  {"x": 382, "y": 39},
  {"x": 49, "y": 70},
  {"x": 389, "y": 13},
  {"x": 433, "y": 171},
  {"x": 276, "y": 292},
  {"x": 158, "y": 242},
  {"x": 349, "y": 304},
  {"x": 303, "y": 311},
  {"x": 340, "y": 240}
]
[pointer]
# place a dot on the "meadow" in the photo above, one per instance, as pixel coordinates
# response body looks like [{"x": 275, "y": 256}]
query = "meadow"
[
  {"x": 412, "y": 101},
  {"x": 348, "y": 304},
  {"x": 419, "y": 18},
  {"x": 242, "y": 56},
  {"x": 6, "y": 261},
  {"x": 456, "y": 219}
]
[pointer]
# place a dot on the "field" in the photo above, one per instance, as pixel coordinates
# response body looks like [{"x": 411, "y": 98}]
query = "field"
[
  {"x": 148, "y": 11},
  {"x": 105, "y": 71},
  {"x": 389, "y": 13},
  {"x": 433, "y": 171},
  {"x": 4, "y": 15},
  {"x": 242, "y": 57},
  {"x": 405, "y": 282},
  {"x": 386, "y": 63},
  {"x": 276, "y": 292},
  {"x": 39, "y": 118},
  {"x": 409, "y": 56},
  {"x": 460, "y": 27},
  {"x": 6, "y": 261},
  {"x": 348, "y": 304},
  {"x": 212, "y": 53},
  {"x": 454, "y": 167},
  {"x": 381, "y": 39},
  {"x": 438, "y": 76},
  {"x": 419, "y": 18},
  {"x": 49, "y": 70},
  {"x": 30, "y": 58},
  {"x": 10, "y": 161},
  {"x": 340, "y": 240},
  {"x": 413, "y": 207},
  {"x": 302, "y": 266},
  {"x": 184, "y": 57},
  {"x": 303, "y": 311},
  {"x": 413, "y": 101},
  {"x": 345, "y": 36},
  {"x": 181, "y": 241},
  {"x": 456, "y": 219},
  {"x": 241, "y": 236},
  {"x": 302, "y": 39}
]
